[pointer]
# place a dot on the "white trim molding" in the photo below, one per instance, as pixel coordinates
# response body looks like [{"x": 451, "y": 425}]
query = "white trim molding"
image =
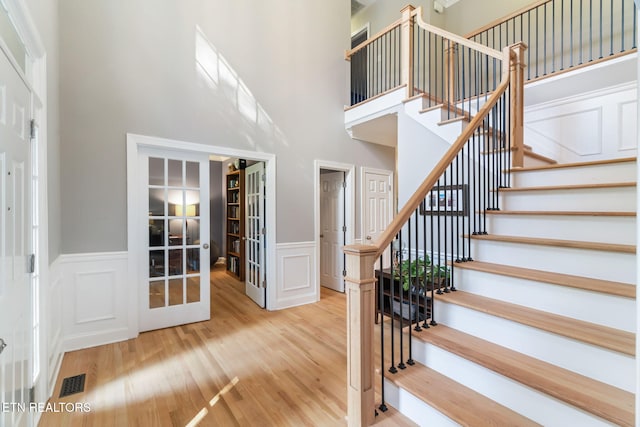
[{"x": 350, "y": 207}]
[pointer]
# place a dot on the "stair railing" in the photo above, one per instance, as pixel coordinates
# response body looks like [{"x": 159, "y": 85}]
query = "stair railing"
[
  {"x": 397, "y": 279},
  {"x": 565, "y": 34}
]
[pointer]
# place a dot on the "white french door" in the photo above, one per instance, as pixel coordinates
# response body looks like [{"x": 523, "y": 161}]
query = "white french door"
[
  {"x": 254, "y": 232},
  {"x": 174, "y": 284},
  {"x": 16, "y": 349},
  {"x": 332, "y": 234}
]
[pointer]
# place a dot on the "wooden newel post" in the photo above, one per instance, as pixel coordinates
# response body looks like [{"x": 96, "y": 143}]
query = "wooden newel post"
[
  {"x": 516, "y": 68},
  {"x": 406, "y": 49},
  {"x": 360, "y": 289}
]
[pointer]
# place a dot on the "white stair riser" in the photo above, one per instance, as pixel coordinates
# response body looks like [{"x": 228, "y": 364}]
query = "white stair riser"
[
  {"x": 432, "y": 119},
  {"x": 609, "y": 229},
  {"x": 608, "y": 310},
  {"x": 589, "y": 360},
  {"x": 592, "y": 199},
  {"x": 618, "y": 267},
  {"x": 594, "y": 174},
  {"x": 505, "y": 391},
  {"x": 415, "y": 409}
]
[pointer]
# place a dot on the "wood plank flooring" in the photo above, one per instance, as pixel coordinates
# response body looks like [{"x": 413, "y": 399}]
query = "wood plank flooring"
[{"x": 244, "y": 367}]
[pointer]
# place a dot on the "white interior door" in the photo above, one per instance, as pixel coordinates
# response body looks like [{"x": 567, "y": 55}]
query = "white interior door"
[
  {"x": 15, "y": 238},
  {"x": 332, "y": 229},
  {"x": 378, "y": 204},
  {"x": 254, "y": 232},
  {"x": 175, "y": 225}
]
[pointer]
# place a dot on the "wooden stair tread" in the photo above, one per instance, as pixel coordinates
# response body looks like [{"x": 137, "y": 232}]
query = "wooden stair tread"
[
  {"x": 567, "y": 213},
  {"x": 591, "y": 333},
  {"x": 586, "y": 283},
  {"x": 543, "y": 241},
  {"x": 571, "y": 187},
  {"x": 575, "y": 164},
  {"x": 611, "y": 403},
  {"x": 460, "y": 403}
]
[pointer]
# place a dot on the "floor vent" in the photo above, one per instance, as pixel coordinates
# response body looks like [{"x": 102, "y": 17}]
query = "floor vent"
[{"x": 72, "y": 385}]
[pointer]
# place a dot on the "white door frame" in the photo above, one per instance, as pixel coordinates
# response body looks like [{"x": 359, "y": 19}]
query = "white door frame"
[
  {"x": 363, "y": 207},
  {"x": 134, "y": 142},
  {"x": 349, "y": 205},
  {"x": 36, "y": 78}
]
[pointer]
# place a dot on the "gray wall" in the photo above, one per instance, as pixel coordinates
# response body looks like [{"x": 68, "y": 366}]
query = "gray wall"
[
  {"x": 384, "y": 12},
  {"x": 130, "y": 66},
  {"x": 45, "y": 17}
]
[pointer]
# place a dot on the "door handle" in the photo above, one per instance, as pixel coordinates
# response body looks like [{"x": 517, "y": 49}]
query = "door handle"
[
  {"x": 3, "y": 345},
  {"x": 322, "y": 236},
  {"x": 205, "y": 246},
  {"x": 368, "y": 237}
]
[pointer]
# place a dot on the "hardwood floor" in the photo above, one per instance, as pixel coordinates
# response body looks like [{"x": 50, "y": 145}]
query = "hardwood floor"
[{"x": 244, "y": 367}]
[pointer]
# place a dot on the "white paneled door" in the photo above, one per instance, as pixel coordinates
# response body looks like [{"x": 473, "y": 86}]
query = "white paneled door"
[
  {"x": 15, "y": 239},
  {"x": 174, "y": 282},
  {"x": 255, "y": 286},
  {"x": 332, "y": 232},
  {"x": 378, "y": 204}
]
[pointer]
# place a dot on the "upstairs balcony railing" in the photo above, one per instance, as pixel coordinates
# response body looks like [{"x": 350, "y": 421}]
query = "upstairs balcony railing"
[{"x": 564, "y": 34}]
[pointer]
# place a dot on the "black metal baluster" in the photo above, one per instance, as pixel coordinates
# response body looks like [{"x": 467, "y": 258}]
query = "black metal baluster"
[
  {"x": 427, "y": 260},
  {"x": 622, "y": 25},
  {"x": 380, "y": 313},
  {"x": 562, "y": 35},
  {"x": 581, "y": 31},
  {"x": 411, "y": 283},
  {"x": 611, "y": 28},
  {"x": 420, "y": 266},
  {"x": 529, "y": 40},
  {"x": 590, "y": 30},
  {"x": 544, "y": 54},
  {"x": 431, "y": 285},
  {"x": 401, "y": 269},
  {"x": 392, "y": 298},
  {"x": 571, "y": 34},
  {"x": 601, "y": 25}
]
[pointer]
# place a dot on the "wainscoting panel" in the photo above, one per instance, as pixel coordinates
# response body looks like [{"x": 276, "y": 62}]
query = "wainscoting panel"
[
  {"x": 295, "y": 275},
  {"x": 94, "y": 299},
  {"x": 590, "y": 126}
]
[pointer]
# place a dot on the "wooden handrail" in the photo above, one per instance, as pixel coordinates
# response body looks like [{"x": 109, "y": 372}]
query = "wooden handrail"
[
  {"x": 349, "y": 53},
  {"x": 427, "y": 185},
  {"x": 456, "y": 38},
  {"x": 506, "y": 18}
]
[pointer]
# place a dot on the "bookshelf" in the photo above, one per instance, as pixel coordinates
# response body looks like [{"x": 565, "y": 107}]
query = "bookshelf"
[{"x": 235, "y": 223}]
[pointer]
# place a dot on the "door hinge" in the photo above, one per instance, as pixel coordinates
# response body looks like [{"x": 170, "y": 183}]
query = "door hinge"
[
  {"x": 32, "y": 394},
  {"x": 3, "y": 345},
  {"x": 344, "y": 228},
  {"x": 33, "y": 129},
  {"x": 264, "y": 177},
  {"x": 31, "y": 263},
  {"x": 344, "y": 273},
  {"x": 263, "y": 231},
  {"x": 344, "y": 184}
]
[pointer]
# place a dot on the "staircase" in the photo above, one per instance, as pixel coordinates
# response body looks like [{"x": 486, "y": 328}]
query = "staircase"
[{"x": 541, "y": 328}]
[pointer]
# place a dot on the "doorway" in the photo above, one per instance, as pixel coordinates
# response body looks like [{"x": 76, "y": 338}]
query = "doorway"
[
  {"x": 17, "y": 352},
  {"x": 139, "y": 237},
  {"x": 334, "y": 220}
]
